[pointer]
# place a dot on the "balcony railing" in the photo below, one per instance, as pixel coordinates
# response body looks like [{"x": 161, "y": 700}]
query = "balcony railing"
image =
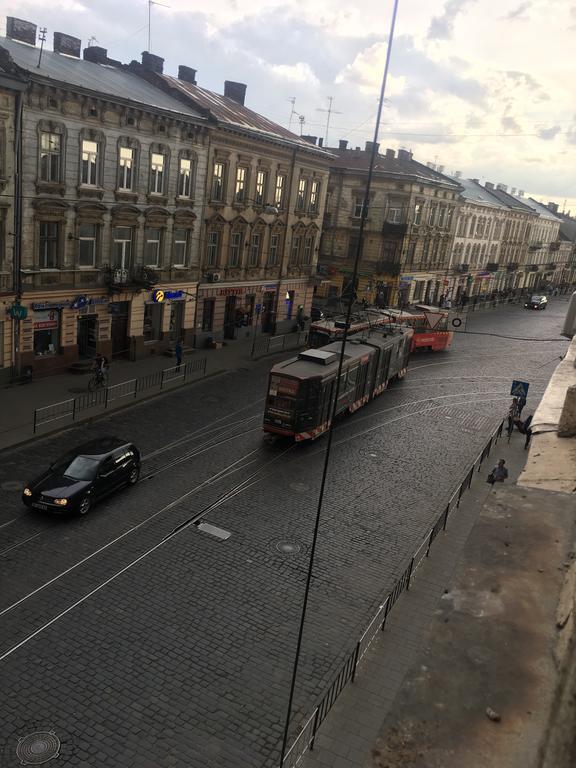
[
  {"x": 492, "y": 266},
  {"x": 134, "y": 278}
]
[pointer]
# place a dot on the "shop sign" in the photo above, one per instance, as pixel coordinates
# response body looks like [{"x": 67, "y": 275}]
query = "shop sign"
[
  {"x": 18, "y": 312},
  {"x": 78, "y": 303},
  {"x": 158, "y": 296},
  {"x": 45, "y": 319},
  {"x": 246, "y": 289}
]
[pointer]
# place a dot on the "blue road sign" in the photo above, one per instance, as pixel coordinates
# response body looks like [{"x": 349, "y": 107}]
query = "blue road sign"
[{"x": 519, "y": 388}]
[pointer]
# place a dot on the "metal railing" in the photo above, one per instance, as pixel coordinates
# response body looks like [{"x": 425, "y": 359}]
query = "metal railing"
[
  {"x": 104, "y": 397},
  {"x": 347, "y": 672},
  {"x": 265, "y": 345}
]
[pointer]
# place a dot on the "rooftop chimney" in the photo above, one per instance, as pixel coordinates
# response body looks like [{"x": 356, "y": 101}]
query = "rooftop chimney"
[
  {"x": 320, "y": 142},
  {"x": 370, "y": 144},
  {"x": 502, "y": 187},
  {"x": 457, "y": 174},
  {"x": 431, "y": 165},
  {"x": 513, "y": 191},
  {"x": 489, "y": 185},
  {"x": 476, "y": 181},
  {"x": 235, "y": 91},
  {"x": 152, "y": 63},
  {"x": 553, "y": 207},
  {"x": 187, "y": 74},
  {"x": 18, "y": 29},
  {"x": 96, "y": 55},
  {"x": 440, "y": 169},
  {"x": 342, "y": 144},
  {"x": 67, "y": 44},
  {"x": 520, "y": 193},
  {"x": 404, "y": 154}
]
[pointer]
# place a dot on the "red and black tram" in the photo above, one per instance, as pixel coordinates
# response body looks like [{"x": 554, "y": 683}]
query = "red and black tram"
[{"x": 301, "y": 390}]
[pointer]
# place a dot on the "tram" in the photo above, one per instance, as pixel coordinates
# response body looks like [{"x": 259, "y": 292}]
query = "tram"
[{"x": 301, "y": 390}]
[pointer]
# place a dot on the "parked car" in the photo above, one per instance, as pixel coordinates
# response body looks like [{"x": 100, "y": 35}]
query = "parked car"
[
  {"x": 316, "y": 314},
  {"x": 537, "y": 302},
  {"x": 84, "y": 476}
]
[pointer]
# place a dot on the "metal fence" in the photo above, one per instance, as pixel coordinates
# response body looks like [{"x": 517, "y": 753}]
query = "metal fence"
[
  {"x": 265, "y": 345},
  {"x": 104, "y": 397},
  {"x": 306, "y": 736}
]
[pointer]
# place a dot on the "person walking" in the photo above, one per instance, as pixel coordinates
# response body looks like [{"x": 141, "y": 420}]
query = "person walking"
[
  {"x": 513, "y": 415},
  {"x": 499, "y": 473},
  {"x": 521, "y": 404},
  {"x": 178, "y": 352},
  {"x": 525, "y": 428}
]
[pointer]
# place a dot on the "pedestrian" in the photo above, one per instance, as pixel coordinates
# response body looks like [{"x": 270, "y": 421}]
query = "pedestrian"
[
  {"x": 464, "y": 299},
  {"x": 442, "y": 301},
  {"x": 178, "y": 352},
  {"x": 521, "y": 404},
  {"x": 525, "y": 428},
  {"x": 513, "y": 415},
  {"x": 475, "y": 301},
  {"x": 300, "y": 319},
  {"x": 448, "y": 303},
  {"x": 498, "y": 474}
]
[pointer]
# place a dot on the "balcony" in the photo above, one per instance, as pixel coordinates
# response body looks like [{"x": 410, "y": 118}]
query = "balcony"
[
  {"x": 535, "y": 246},
  {"x": 555, "y": 246},
  {"x": 512, "y": 267},
  {"x": 492, "y": 266},
  {"x": 463, "y": 268},
  {"x": 394, "y": 229},
  {"x": 388, "y": 268},
  {"x": 132, "y": 279}
]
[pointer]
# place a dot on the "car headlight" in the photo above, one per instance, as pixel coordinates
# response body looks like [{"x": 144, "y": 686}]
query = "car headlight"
[
  {"x": 27, "y": 492},
  {"x": 61, "y": 502}
]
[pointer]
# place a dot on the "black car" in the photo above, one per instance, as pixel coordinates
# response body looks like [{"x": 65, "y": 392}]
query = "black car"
[
  {"x": 84, "y": 476},
  {"x": 537, "y": 302}
]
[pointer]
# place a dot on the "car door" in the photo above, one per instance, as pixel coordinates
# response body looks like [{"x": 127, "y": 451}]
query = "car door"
[
  {"x": 123, "y": 463},
  {"x": 105, "y": 478}
]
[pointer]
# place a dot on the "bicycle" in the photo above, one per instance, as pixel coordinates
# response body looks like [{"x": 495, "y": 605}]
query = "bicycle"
[{"x": 98, "y": 380}]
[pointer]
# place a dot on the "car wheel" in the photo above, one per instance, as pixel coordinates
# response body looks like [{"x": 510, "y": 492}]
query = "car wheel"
[
  {"x": 85, "y": 506},
  {"x": 134, "y": 475}
]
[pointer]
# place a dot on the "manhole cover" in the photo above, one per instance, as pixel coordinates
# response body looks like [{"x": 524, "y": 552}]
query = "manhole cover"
[
  {"x": 38, "y": 748},
  {"x": 299, "y": 487},
  {"x": 12, "y": 485},
  {"x": 288, "y": 547}
]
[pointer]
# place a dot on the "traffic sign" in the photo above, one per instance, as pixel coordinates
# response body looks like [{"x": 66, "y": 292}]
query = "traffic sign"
[
  {"x": 519, "y": 388},
  {"x": 18, "y": 312}
]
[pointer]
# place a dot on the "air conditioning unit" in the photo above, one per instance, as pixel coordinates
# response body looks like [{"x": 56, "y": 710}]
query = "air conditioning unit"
[{"x": 213, "y": 277}]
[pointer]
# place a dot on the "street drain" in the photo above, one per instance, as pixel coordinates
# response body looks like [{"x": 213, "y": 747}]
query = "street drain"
[
  {"x": 213, "y": 530},
  {"x": 38, "y": 748},
  {"x": 288, "y": 547}
]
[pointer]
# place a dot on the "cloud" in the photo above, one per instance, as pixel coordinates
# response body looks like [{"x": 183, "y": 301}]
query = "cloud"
[
  {"x": 510, "y": 123},
  {"x": 518, "y": 13},
  {"x": 442, "y": 27},
  {"x": 549, "y": 133},
  {"x": 296, "y": 73}
]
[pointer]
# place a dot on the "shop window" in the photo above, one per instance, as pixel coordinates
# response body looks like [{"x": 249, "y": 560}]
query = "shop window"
[
  {"x": 87, "y": 241},
  {"x": 208, "y": 314},
  {"x": 46, "y": 332},
  {"x": 152, "y": 321}
]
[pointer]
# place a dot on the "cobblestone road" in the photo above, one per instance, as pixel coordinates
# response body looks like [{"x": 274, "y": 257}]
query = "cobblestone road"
[{"x": 141, "y": 651}]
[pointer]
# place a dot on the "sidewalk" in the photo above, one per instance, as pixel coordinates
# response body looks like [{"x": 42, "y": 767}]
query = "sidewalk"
[
  {"x": 17, "y": 403},
  {"x": 477, "y": 632}
]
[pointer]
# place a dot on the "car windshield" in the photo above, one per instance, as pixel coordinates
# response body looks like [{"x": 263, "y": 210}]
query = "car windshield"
[
  {"x": 537, "y": 298},
  {"x": 80, "y": 468}
]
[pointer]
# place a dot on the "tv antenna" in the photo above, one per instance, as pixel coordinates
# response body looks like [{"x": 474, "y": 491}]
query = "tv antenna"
[
  {"x": 330, "y": 112},
  {"x": 150, "y": 4},
  {"x": 91, "y": 41},
  {"x": 42, "y": 38},
  {"x": 302, "y": 120}
]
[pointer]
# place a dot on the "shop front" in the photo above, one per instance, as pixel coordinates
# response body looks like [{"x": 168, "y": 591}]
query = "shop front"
[{"x": 161, "y": 317}]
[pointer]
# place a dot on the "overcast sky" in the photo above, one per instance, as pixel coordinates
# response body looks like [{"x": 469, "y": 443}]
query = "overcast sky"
[{"x": 486, "y": 87}]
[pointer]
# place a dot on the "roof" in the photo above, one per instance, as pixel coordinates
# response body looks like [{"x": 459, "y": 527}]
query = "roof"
[
  {"x": 473, "y": 192},
  {"x": 510, "y": 201},
  {"x": 399, "y": 164},
  {"x": 230, "y": 112},
  {"x": 98, "y": 78},
  {"x": 541, "y": 210}
]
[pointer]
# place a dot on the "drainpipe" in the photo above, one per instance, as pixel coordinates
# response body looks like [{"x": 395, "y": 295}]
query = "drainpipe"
[
  {"x": 283, "y": 259},
  {"x": 17, "y": 242}
]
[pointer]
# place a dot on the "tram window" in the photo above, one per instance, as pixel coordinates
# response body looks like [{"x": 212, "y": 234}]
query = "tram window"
[
  {"x": 284, "y": 403},
  {"x": 352, "y": 376}
]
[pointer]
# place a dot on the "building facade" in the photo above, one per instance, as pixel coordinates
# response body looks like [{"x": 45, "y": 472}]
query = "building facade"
[
  {"x": 264, "y": 201},
  {"x": 113, "y": 178},
  {"x": 408, "y": 233}
]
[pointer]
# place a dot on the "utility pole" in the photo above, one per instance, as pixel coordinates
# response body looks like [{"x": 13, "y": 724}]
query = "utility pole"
[
  {"x": 150, "y": 4},
  {"x": 42, "y": 38},
  {"x": 302, "y": 120},
  {"x": 293, "y": 112},
  {"x": 330, "y": 112}
]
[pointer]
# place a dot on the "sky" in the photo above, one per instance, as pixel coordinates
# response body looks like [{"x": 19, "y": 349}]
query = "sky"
[{"x": 485, "y": 87}]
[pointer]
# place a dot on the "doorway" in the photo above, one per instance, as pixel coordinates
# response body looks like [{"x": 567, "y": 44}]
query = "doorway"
[
  {"x": 119, "y": 331},
  {"x": 176, "y": 321},
  {"x": 230, "y": 318},
  {"x": 87, "y": 335},
  {"x": 267, "y": 312}
]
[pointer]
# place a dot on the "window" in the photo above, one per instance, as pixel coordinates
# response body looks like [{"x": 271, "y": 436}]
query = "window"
[
  {"x": 449, "y": 215},
  {"x": 87, "y": 237},
  {"x": 425, "y": 250},
  {"x": 208, "y": 314},
  {"x": 122, "y": 247},
  {"x": 89, "y": 163},
  {"x": 180, "y": 247},
  {"x": 358, "y": 205},
  {"x": 49, "y": 240},
  {"x": 235, "y": 246},
  {"x": 240, "y": 187},
  {"x": 273, "y": 250},
  {"x": 295, "y": 252},
  {"x": 279, "y": 190},
  {"x": 441, "y": 215},
  {"x": 157, "y": 173},
  {"x": 432, "y": 215},
  {"x": 212, "y": 247},
  {"x": 301, "y": 197},
  {"x": 394, "y": 215},
  {"x": 418, "y": 213},
  {"x": 261, "y": 182},
  {"x": 307, "y": 254},
  {"x": 46, "y": 332},
  {"x": 254, "y": 258},
  {"x": 217, "y": 191},
  {"x": 185, "y": 178},
  {"x": 411, "y": 253},
  {"x": 314, "y": 197},
  {"x": 152, "y": 242},
  {"x": 126, "y": 164},
  {"x": 460, "y": 231},
  {"x": 152, "y": 321},
  {"x": 50, "y": 148}
]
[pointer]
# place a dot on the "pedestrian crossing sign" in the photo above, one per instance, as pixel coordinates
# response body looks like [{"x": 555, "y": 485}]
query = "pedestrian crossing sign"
[{"x": 519, "y": 388}]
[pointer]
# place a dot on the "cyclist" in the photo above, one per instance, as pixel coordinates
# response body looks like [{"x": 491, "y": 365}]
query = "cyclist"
[{"x": 100, "y": 367}]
